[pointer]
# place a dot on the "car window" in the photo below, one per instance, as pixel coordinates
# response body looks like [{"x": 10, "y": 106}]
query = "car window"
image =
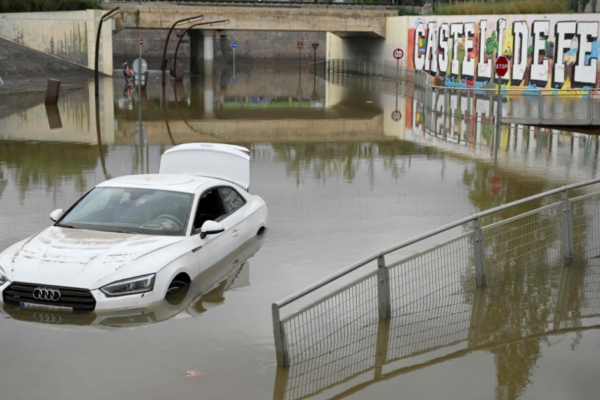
[
  {"x": 131, "y": 210},
  {"x": 210, "y": 208},
  {"x": 231, "y": 199}
]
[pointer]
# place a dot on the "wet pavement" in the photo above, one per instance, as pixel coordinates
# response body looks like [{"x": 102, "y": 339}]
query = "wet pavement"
[{"x": 342, "y": 180}]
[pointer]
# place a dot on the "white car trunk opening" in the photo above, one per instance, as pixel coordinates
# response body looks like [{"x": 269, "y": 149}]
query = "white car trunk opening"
[{"x": 213, "y": 160}]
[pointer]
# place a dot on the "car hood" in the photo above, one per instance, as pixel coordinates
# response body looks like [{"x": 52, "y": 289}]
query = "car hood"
[{"x": 80, "y": 258}]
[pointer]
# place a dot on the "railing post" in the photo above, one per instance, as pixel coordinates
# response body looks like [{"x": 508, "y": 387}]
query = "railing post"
[
  {"x": 383, "y": 289},
  {"x": 567, "y": 227},
  {"x": 479, "y": 253},
  {"x": 590, "y": 108},
  {"x": 540, "y": 107},
  {"x": 279, "y": 335}
]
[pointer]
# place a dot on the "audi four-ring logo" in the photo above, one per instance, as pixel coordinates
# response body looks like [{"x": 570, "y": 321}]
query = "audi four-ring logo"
[{"x": 46, "y": 294}]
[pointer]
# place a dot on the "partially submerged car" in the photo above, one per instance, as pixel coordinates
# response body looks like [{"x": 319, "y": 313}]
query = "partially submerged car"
[{"x": 133, "y": 240}]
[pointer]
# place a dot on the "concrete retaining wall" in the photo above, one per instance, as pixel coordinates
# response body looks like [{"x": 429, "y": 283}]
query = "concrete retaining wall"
[
  {"x": 253, "y": 46},
  {"x": 68, "y": 35}
]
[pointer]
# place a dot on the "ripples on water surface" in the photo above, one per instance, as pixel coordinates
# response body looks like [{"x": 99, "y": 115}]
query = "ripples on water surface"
[{"x": 342, "y": 180}]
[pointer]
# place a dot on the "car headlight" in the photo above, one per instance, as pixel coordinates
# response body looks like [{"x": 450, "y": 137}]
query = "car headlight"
[
  {"x": 141, "y": 284},
  {"x": 3, "y": 277}
]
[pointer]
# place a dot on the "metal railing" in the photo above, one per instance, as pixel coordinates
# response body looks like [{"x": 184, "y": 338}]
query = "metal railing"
[
  {"x": 542, "y": 239},
  {"x": 521, "y": 312},
  {"x": 376, "y": 70},
  {"x": 520, "y": 106}
]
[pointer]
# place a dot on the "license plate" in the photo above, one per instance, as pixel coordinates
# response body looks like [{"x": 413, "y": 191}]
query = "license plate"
[{"x": 45, "y": 307}]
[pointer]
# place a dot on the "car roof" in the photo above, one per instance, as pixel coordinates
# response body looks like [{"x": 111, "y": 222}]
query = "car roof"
[{"x": 174, "y": 183}]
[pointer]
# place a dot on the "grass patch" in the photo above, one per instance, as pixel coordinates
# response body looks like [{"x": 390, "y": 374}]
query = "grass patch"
[
  {"x": 506, "y": 7},
  {"x": 8, "y": 6}
]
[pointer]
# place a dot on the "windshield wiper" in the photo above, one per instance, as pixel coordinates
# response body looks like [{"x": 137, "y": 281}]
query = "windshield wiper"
[{"x": 67, "y": 226}]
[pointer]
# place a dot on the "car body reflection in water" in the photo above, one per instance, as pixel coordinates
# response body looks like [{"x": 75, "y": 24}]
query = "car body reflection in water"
[{"x": 205, "y": 292}]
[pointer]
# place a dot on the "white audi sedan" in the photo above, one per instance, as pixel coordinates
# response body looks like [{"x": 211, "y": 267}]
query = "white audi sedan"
[{"x": 134, "y": 240}]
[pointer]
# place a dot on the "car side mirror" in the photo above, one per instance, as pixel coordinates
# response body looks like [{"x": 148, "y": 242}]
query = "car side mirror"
[
  {"x": 211, "y": 228},
  {"x": 56, "y": 214}
]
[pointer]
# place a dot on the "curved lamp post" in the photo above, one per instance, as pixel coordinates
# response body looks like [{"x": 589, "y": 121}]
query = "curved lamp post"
[
  {"x": 223, "y": 21},
  {"x": 104, "y": 17},
  {"x": 164, "y": 58}
]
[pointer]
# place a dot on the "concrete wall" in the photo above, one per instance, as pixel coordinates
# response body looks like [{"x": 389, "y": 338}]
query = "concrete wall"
[
  {"x": 257, "y": 18},
  {"x": 253, "y": 46},
  {"x": 373, "y": 49},
  {"x": 261, "y": 46},
  {"x": 544, "y": 51},
  {"x": 68, "y": 35}
]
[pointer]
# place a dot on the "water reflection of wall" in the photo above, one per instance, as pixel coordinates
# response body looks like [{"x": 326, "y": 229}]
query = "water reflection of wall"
[
  {"x": 464, "y": 125},
  {"x": 76, "y": 118}
]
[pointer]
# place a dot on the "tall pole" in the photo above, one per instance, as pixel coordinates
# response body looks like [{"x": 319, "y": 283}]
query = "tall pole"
[
  {"x": 164, "y": 57},
  {"x": 105, "y": 16},
  {"x": 397, "y": 78}
]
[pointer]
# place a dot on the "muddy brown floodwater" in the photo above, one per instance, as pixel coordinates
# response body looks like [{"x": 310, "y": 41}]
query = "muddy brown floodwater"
[{"x": 342, "y": 180}]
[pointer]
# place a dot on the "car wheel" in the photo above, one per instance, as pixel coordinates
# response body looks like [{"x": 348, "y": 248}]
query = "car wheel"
[{"x": 178, "y": 283}]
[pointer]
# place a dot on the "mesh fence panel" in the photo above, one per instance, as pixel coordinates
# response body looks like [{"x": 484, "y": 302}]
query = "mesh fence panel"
[
  {"x": 326, "y": 326},
  {"x": 354, "y": 355},
  {"x": 586, "y": 225},
  {"x": 531, "y": 241},
  {"x": 430, "y": 298}
]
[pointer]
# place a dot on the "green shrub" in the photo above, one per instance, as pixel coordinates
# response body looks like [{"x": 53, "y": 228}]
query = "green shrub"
[
  {"x": 505, "y": 7},
  {"x": 7, "y": 6}
]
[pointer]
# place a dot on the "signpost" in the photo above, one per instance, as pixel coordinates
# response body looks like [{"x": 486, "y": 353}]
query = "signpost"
[
  {"x": 398, "y": 54},
  {"x": 140, "y": 69},
  {"x": 501, "y": 70},
  {"x": 234, "y": 46},
  {"x": 299, "y": 46}
]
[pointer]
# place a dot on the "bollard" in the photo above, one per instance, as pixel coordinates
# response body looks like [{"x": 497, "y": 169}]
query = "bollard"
[
  {"x": 179, "y": 72},
  {"x": 52, "y": 91},
  {"x": 53, "y": 115}
]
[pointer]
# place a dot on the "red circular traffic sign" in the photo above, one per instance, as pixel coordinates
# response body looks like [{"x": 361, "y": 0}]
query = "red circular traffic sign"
[
  {"x": 398, "y": 54},
  {"x": 501, "y": 66},
  {"x": 495, "y": 184},
  {"x": 396, "y": 115},
  {"x": 141, "y": 42}
]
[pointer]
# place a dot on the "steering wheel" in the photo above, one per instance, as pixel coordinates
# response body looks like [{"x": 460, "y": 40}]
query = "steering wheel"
[{"x": 178, "y": 223}]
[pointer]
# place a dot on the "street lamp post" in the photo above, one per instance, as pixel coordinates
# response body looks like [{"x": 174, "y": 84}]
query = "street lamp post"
[
  {"x": 164, "y": 58},
  {"x": 105, "y": 16},
  {"x": 223, "y": 21}
]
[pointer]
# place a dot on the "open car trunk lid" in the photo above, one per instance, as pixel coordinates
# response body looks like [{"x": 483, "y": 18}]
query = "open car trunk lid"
[{"x": 214, "y": 160}]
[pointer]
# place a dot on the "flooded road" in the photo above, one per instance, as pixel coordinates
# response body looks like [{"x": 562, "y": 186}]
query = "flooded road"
[{"x": 342, "y": 180}]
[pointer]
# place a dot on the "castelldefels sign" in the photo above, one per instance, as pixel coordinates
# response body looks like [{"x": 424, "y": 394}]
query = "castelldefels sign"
[{"x": 553, "y": 52}]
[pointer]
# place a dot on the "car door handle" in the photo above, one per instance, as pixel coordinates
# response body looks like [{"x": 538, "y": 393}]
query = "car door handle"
[{"x": 234, "y": 232}]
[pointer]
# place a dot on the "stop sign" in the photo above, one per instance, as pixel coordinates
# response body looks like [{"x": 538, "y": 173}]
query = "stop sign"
[
  {"x": 501, "y": 66},
  {"x": 495, "y": 184}
]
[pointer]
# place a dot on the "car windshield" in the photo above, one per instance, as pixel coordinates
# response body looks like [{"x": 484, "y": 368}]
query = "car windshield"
[{"x": 131, "y": 210}]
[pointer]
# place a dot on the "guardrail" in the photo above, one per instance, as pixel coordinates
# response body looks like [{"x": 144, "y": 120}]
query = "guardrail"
[
  {"x": 556, "y": 107},
  {"x": 545, "y": 236}
]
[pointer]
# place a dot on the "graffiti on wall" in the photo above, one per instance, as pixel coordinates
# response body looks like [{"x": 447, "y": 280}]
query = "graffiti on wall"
[{"x": 553, "y": 52}]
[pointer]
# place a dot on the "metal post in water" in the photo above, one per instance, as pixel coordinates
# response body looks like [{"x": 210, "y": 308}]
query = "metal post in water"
[
  {"x": 278, "y": 335},
  {"x": 383, "y": 289},
  {"x": 590, "y": 116},
  {"x": 567, "y": 227},
  {"x": 479, "y": 254},
  {"x": 540, "y": 107}
]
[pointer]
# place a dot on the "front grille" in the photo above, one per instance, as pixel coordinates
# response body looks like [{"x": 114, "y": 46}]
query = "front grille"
[{"x": 78, "y": 299}]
